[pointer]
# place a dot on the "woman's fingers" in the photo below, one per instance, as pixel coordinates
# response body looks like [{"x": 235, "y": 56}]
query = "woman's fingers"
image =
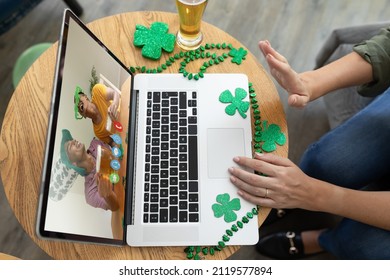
[{"x": 267, "y": 49}]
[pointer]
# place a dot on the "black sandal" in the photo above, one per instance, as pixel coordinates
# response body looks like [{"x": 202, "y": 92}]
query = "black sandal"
[
  {"x": 276, "y": 215},
  {"x": 282, "y": 245}
]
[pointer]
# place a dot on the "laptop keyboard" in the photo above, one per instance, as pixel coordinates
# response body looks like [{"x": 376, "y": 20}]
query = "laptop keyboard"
[{"x": 171, "y": 192}]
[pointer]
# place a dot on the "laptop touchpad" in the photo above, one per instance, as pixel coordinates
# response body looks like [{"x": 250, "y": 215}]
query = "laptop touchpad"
[{"x": 222, "y": 145}]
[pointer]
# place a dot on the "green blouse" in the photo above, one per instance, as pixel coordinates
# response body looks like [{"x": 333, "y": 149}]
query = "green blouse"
[{"x": 377, "y": 52}]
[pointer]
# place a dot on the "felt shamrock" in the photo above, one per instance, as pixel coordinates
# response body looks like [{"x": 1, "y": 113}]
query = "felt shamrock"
[
  {"x": 270, "y": 135},
  {"x": 238, "y": 55},
  {"x": 154, "y": 39},
  {"x": 226, "y": 207},
  {"x": 236, "y": 102}
]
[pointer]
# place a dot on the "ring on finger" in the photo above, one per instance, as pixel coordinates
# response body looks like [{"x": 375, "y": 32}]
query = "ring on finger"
[{"x": 266, "y": 193}]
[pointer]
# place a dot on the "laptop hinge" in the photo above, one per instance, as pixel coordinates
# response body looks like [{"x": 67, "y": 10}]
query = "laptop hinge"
[{"x": 131, "y": 158}]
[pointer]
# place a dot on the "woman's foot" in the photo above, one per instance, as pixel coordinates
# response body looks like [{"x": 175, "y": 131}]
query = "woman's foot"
[
  {"x": 290, "y": 245},
  {"x": 276, "y": 215}
]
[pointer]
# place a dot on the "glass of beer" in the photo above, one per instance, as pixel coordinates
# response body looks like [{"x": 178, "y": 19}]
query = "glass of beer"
[
  {"x": 189, "y": 36},
  {"x": 104, "y": 157}
]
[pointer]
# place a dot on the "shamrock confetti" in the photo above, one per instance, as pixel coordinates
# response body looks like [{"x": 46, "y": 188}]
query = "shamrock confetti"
[
  {"x": 238, "y": 55},
  {"x": 226, "y": 207},
  {"x": 236, "y": 102},
  {"x": 154, "y": 39},
  {"x": 270, "y": 135}
]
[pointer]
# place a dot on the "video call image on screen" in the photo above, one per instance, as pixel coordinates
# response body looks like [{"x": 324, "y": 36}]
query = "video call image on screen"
[{"x": 87, "y": 182}]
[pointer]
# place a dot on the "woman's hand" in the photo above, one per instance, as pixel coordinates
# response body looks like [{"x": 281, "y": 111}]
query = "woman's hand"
[
  {"x": 283, "y": 186},
  {"x": 292, "y": 82}
]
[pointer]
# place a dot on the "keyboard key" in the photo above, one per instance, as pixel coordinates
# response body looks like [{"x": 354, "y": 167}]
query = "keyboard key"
[
  {"x": 183, "y": 100},
  {"x": 183, "y": 216},
  {"x": 156, "y": 97},
  {"x": 164, "y": 193},
  {"x": 193, "y": 207},
  {"x": 165, "y": 163},
  {"x": 164, "y": 173},
  {"x": 183, "y": 176},
  {"x": 156, "y": 141},
  {"x": 173, "y": 200},
  {"x": 183, "y": 157},
  {"x": 165, "y": 137},
  {"x": 193, "y": 157},
  {"x": 174, "y": 153},
  {"x": 192, "y": 120},
  {"x": 183, "y": 195},
  {"x": 173, "y": 181},
  {"x": 183, "y": 205},
  {"x": 183, "y": 122},
  {"x": 164, "y": 155},
  {"x": 173, "y": 214},
  {"x": 164, "y": 183},
  {"x": 153, "y": 207},
  {"x": 193, "y": 187},
  {"x": 154, "y": 197},
  {"x": 163, "y": 215},
  {"x": 173, "y": 171},
  {"x": 164, "y": 202},
  {"x": 154, "y": 188},
  {"x": 183, "y": 185},
  {"x": 183, "y": 166},
  {"x": 192, "y": 129},
  {"x": 193, "y": 218},
  {"x": 193, "y": 197},
  {"x": 153, "y": 218},
  {"x": 173, "y": 190},
  {"x": 183, "y": 139}
]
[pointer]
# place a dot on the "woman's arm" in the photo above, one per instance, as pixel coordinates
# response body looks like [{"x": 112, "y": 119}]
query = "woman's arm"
[
  {"x": 302, "y": 88},
  {"x": 286, "y": 186}
]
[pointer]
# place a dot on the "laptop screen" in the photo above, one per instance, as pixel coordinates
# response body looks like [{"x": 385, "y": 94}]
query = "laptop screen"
[{"x": 84, "y": 173}]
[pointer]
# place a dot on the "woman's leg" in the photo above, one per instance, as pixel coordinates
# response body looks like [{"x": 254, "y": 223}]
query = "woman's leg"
[
  {"x": 357, "y": 152},
  {"x": 354, "y": 240}
]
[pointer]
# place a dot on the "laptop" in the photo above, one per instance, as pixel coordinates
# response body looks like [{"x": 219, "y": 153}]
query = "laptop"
[{"x": 140, "y": 159}]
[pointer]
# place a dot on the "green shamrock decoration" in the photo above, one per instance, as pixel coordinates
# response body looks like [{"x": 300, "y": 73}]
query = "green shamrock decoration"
[
  {"x": 226, "y": 207},
  {"x": 270, "y": 135},
  {"x": 154, "y": 39},
  {"x": 236, "y": 102},
  {"x": 238, "y": 55}
]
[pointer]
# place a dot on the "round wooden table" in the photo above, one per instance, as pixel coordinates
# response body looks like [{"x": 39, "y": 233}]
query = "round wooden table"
[{"x": 24, "y": 128}]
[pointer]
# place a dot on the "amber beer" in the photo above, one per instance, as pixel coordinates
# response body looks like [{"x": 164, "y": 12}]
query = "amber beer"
[
  {"x": 103, "y": 160},
  {"x": 190, "y": 12}
]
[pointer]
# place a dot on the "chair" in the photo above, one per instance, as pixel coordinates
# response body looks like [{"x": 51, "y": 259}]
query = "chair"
[
  {"x": 26, "y": 59},
  {"x": 344, "y": 103}
]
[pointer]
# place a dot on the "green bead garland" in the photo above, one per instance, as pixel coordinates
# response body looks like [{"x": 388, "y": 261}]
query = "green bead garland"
[
  {"x": 198, "y": 252},
  {"x": 201, "y": 53}
]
